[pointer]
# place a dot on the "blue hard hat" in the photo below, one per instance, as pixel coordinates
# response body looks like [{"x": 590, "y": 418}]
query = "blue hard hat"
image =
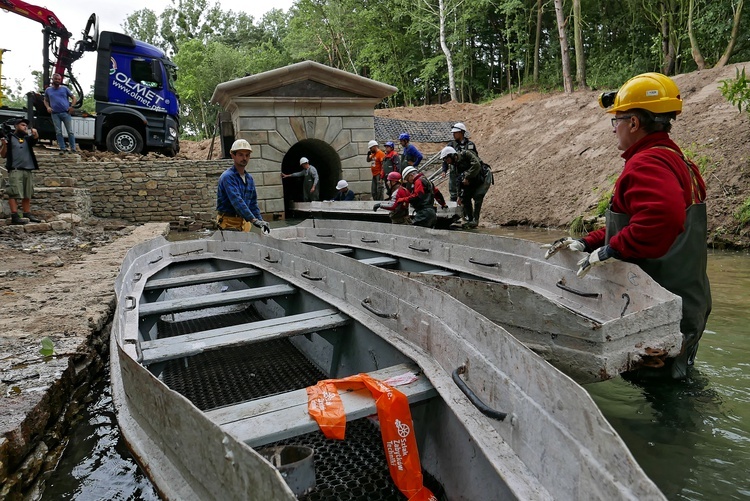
[
  {"x": 404, "y": 136},
  {"x": 390, "y": 143}
]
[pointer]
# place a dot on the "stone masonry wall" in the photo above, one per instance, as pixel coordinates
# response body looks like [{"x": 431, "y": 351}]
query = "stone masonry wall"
[{"x": 154, "y": 190}]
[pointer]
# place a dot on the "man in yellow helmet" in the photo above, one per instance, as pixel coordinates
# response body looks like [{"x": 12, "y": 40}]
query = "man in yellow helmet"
[{"x": 657, "y": 214}]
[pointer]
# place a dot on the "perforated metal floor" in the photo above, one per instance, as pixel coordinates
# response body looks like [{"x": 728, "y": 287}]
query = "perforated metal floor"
[
  {"x": 352, "y": 469},
  {"x": 233, "y": 375}
]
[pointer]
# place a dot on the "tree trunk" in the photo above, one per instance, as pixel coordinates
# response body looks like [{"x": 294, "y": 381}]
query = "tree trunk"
[
  {"x": 733, "y": 37},
  {"x": 447, "y": 52},
  {"x": 565, "y": 53},
  {"x": 694, "y": 49},
  {"x": 578, "y": 40},
  {"x": 667, "y": 46},
  {"x": 537, "y": 41}
]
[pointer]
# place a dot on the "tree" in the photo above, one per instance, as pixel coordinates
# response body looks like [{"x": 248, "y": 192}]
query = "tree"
[
  {"x": 538, "y": 38},
  {"x": 694, "y": 49},
  {"x": 578, "y": 38},
  {"x": 202, "y": 67},
  {"x": 564, "y": 51},
  {"x": 442, "y": 11},
  {"x": 735, "y": 31}
]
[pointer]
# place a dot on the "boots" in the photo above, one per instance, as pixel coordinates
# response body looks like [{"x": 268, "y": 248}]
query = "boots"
[{"x": 16, "y": 219}]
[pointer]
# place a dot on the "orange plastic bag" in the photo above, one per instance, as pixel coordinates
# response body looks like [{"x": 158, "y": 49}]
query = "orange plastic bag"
[{"x": 396, "y": 428}]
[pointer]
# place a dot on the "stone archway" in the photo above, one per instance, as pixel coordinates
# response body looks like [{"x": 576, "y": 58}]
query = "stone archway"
[
  {"x": 304, "y": 110},
  {"x": 321, "y": 155}
]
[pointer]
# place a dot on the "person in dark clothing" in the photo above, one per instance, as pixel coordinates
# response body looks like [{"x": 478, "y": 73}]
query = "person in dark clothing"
[
  {"x": 657, "y": 213},
  {"x": 399, "y": 210},
  {"x": 391, "y": 163},
  {"x": 421, "y": 198},
  {"x": 236, "y": 196},
  {"x": 473, "y": 179},
  {"x": 460, "y": 143},
  {"x": 20, "y": 162},
  {"x": 310, "y": 180},
  {"x": 345, "y": 194}
]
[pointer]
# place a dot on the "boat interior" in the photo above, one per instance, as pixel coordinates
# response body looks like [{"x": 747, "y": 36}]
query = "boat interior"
[{"x": 242, "y": 345}]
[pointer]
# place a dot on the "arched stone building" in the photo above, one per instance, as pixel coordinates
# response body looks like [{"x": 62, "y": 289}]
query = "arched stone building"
[{"x": 305, "y": 109}]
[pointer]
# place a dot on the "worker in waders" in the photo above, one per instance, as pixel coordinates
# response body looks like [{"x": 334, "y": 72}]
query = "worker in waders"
[
  {"x": 473, "y": 179},
  {"x": 421, "y": 198},
  {"x": 236, "y": 196},
  {"x": 460, "y": 143},
  {"x": 399, "y": 211},
  {"x": 657, "y": 214}
]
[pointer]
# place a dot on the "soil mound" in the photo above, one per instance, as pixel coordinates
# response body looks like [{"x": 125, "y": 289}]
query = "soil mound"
[{"x": 555, "y": 156}]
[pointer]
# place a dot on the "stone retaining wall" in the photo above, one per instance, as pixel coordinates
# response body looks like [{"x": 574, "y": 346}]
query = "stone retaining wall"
[{"x": 150, "y": 190}]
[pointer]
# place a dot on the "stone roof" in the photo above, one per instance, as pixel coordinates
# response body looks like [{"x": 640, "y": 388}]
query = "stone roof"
[
  {"x": 293, "y": 78},
  {"x": 388, "y": 129}
]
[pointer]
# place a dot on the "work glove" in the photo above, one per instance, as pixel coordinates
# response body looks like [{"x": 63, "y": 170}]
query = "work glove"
[
  {"x": 564, "y": 243},
  {"x": 376, "y": 207},
  {"x": 596, "y": 258},
  {"x": 263, "y": 225}
]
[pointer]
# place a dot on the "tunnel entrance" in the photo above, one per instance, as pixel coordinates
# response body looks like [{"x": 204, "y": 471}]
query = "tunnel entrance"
[{"x": 321, "y": 156}]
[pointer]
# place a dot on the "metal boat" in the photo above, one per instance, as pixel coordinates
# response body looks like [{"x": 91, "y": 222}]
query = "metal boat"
[
  {"x": 216, "y": 343},
  {"x": 357, "y": 210},
  {"x": 614, "y": 320}
]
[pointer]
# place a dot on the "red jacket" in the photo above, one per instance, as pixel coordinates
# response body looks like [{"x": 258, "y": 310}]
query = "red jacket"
[{"x": 654, "y": 189}]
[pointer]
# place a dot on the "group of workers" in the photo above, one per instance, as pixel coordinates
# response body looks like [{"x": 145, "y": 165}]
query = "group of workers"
[{"x": 656, "y": 216}]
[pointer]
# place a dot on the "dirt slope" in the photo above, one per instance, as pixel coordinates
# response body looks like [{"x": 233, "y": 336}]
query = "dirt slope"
[{"x": 554, "y": 154}]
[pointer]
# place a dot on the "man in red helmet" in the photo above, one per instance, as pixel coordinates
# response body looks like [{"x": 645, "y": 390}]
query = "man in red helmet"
[{"x": 657, "y": 214}]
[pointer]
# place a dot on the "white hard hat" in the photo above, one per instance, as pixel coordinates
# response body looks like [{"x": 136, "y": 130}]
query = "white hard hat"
[
  {"x": 372, "y": 143},
  {"x": 303, "y": 161},
  {"x": 458, "y": 127},
  {"x": 342, "y": 184},
  {"x": 240, "y": 144},
  {"x": 407, "y": 171},
  {"x": 448, "y": 150}
]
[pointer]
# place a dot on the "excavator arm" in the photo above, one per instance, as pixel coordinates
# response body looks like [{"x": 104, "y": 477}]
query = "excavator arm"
[{"x": 54, "y": 30}]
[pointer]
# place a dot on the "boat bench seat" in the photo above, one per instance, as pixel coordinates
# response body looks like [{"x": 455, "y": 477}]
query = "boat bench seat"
[
  {"x": 341, "y": 250},
  {"x": 219, "y": 299},
  {"x": 201, "y": 278},
  {"x": 442, "y": 273},
  {"x": 379, "y": 261},
  {"x": 160, "y": 350},
  {"x": 278, "y": 417}
]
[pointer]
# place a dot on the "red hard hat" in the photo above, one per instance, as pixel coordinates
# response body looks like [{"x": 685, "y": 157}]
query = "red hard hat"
[{"x": 394, "y": 176}]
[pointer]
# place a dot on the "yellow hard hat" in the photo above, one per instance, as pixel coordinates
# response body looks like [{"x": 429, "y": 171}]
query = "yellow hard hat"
[{"x": 654, "y": 92}]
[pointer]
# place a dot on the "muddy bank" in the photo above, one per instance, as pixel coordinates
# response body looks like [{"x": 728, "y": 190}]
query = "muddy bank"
[
  {"x": 555, "y": 156},
  {"x": 57, "y": 285}
]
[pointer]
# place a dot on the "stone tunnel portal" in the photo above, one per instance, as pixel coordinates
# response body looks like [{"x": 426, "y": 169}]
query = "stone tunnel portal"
[{"x": 321, "y": 156}]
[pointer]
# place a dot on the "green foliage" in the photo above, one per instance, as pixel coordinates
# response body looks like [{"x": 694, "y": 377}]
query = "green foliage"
[
  {"x": 492, "y": 44},
  {"x": 577, "y": 228},
  {"x": 737, "y": 90},
  {"x": 702, "y": 161},
  {"x": 48, "y": 347},
  {"x": 202, "y": 67},
  {"x": 743, "y": 213},
  {"x": 603, "y": 204}
]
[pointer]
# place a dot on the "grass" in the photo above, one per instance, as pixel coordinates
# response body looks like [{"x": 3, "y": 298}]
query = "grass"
[
  {"x": 702, "y": 161},
  {"x": 743, "y": 213}
]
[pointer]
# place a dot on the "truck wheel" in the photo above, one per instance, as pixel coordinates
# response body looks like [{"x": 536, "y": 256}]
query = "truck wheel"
[{"x": 124, "y": 139}]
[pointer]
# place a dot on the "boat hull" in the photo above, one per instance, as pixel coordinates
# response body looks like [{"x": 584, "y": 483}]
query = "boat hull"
[
  {"x": 554, "y": 442},
  {"x": 592, "y": 329}
]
